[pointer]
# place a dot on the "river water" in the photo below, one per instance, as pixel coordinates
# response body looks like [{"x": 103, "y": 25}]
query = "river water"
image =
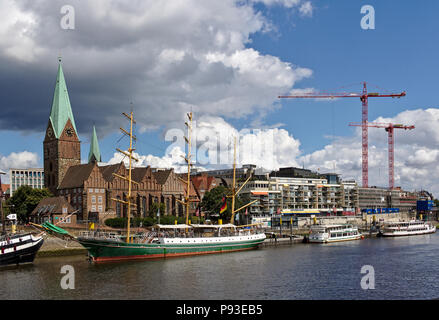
[{"x": 404, "y": 268}]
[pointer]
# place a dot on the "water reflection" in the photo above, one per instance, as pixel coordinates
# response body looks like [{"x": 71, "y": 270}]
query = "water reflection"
[{"x": 405, "y": 268}]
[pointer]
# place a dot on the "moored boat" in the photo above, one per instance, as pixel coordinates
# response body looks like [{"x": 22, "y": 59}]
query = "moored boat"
[
  {"x": 171, "y": 241},
  {"x": 19, "y": 248},
  {"x": 334, "y": 233},
  {"x": 406, "y": 228},
  {"x": 189, "y": 240}
]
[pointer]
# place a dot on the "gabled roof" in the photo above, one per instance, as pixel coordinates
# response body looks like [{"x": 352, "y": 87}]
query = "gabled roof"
[
  {"x": 162, "y": 176},
  {"x": 107, "y": 171},
  {"x": 76, "y": 175},
  {"x": 52, "y": 205},
  {"x": 204, "y": 182},
  {"x": 61, "y": 109},
  {"x": 137, "y": 174},
  {"x": 94, "y": 153}
]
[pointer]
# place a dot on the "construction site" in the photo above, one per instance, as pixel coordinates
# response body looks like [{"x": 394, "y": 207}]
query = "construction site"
[{"x": 299, "y": 192}]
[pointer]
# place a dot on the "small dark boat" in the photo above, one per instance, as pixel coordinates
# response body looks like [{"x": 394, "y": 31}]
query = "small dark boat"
[{"x": 19, "y": 248}]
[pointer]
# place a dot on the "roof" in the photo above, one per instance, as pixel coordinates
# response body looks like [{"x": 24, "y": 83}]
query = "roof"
[
  {"x": 204, "y": 182},
  {"x": 61, "y": 110},
  {"x": 76, "y": 175},
  {"x": 5, "y": 187},
  {"x": 162, "y": 176},
  {"x": 94, "y": 153},
  {"x": 138, "y": 173},
  {"x": 107, "y": 171},
  {"x": 52, "y": 205}
]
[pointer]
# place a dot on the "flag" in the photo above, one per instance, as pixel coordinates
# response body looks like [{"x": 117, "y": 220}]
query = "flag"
[
  {"x": 278, "y": 210},
  {"x": 224, "y": 206},
  {"x": 246, "y": 212},
  {"x": 237, "y": 217},
  {"x": 197, "y": 213}
]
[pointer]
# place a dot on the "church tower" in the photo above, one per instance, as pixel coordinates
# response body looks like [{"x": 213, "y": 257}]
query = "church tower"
[
  {"x": 62, "y": 147},
  {"x": 94, "y": 154}
]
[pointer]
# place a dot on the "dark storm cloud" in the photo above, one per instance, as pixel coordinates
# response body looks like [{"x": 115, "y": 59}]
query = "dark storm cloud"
[{"x": 166, "y": 57}]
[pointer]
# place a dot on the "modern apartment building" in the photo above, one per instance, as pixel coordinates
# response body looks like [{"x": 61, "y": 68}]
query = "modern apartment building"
[
  {"x": 33, "y": 177},
  {"x": 279, "y": 194}
]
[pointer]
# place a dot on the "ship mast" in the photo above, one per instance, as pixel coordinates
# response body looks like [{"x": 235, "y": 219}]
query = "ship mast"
[
  {"x": 188, "y": 140},
  {"x": 129, "y": 154},
  {"x": 234, "y": 191}
]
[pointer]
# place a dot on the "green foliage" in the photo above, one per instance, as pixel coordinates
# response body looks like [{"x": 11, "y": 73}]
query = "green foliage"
[
  {"x": 154, "y": 208},
  {"x": 213, "y": 200},
  {"x": 116, "y": 222},
  {"x": 25, "y": 199}
]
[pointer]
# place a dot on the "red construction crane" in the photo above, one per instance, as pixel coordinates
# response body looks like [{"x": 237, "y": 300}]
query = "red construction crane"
[
  {"x": 364, "y": 97},
  {"x": 389, "y": 128}
]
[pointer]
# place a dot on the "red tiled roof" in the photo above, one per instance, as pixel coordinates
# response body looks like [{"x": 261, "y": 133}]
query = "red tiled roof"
[{"x": 5, "y": 187}]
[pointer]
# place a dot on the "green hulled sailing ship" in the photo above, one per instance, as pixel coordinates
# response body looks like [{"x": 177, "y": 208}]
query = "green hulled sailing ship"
[{"x": 171, "y": 240}]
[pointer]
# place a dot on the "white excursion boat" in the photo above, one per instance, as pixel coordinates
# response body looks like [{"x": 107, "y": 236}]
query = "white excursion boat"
[
  {"x": 406, "y": 228},
  {"x": 334, "y": 233}
]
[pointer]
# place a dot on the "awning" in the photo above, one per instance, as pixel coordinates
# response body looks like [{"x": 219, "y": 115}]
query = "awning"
[
  {"x": 173, "y": 226},
  {"x": 309, "y": 211},
  {"x": 260, "y": 193},
  {"x": 215, "y": 226}
]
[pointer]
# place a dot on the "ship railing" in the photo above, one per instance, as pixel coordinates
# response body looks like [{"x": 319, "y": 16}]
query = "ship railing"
[{"x": 100, "y": 235}]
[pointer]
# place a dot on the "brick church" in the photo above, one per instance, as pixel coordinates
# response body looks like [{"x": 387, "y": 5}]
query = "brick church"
[{"x": 86, "y": 189}]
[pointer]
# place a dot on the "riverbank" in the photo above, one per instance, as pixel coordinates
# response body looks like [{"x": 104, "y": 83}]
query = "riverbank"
[{"x": 54, "y": 247}]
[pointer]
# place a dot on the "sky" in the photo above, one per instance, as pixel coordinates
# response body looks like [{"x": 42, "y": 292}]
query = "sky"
[{"x": 227, "y": 62}]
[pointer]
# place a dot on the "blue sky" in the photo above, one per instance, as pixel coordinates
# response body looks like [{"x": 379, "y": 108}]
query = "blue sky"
[{"x": 399, "y": 55}]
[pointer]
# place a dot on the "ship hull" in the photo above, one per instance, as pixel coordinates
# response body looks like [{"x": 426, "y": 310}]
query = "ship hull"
[
  {"x": 15, "y": 253},
  {"x": 111, "y": 251},
  {"x": 407, "y": 233}
]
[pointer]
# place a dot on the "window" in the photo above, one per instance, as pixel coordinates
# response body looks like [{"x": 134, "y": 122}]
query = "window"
[
  {"x": 64, "y": 210},
  {"x": 100, "y": 208},
  {"x": 93, "y": 199},
  {"x": 66, "y": 220},
  {"x": 93, "y": 208},
  {"x": 100, "y": 199}
]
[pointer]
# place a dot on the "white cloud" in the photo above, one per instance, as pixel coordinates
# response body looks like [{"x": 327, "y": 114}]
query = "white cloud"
[
  {"x": 19, "y": 160},
  {"x": 166, "y": 56},
  {"x": 213, "y": 147},
  {"x": 306, "y": 9},
  {"x": 416, "y": 153}
]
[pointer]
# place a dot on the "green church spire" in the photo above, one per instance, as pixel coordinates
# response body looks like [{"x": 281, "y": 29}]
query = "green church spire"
[
  {"x": 61, "y": 110},
  {"x": 95, "y": 153}
]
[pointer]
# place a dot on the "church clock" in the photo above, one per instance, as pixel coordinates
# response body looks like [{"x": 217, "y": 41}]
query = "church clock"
[{"x": 69, "y": 132}]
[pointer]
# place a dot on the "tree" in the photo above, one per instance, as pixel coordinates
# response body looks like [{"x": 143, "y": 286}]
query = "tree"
[
  {"x": 154, "y": 208},
  {"x": 25, "y": 199},
  {"x": 213, "y": 201}
]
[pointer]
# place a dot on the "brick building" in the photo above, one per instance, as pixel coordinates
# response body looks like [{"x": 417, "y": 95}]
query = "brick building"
[{"x": 90, "y": 187}]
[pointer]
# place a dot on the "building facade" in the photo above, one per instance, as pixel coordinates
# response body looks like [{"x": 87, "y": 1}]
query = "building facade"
[{"x": 33, "y": 177}]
